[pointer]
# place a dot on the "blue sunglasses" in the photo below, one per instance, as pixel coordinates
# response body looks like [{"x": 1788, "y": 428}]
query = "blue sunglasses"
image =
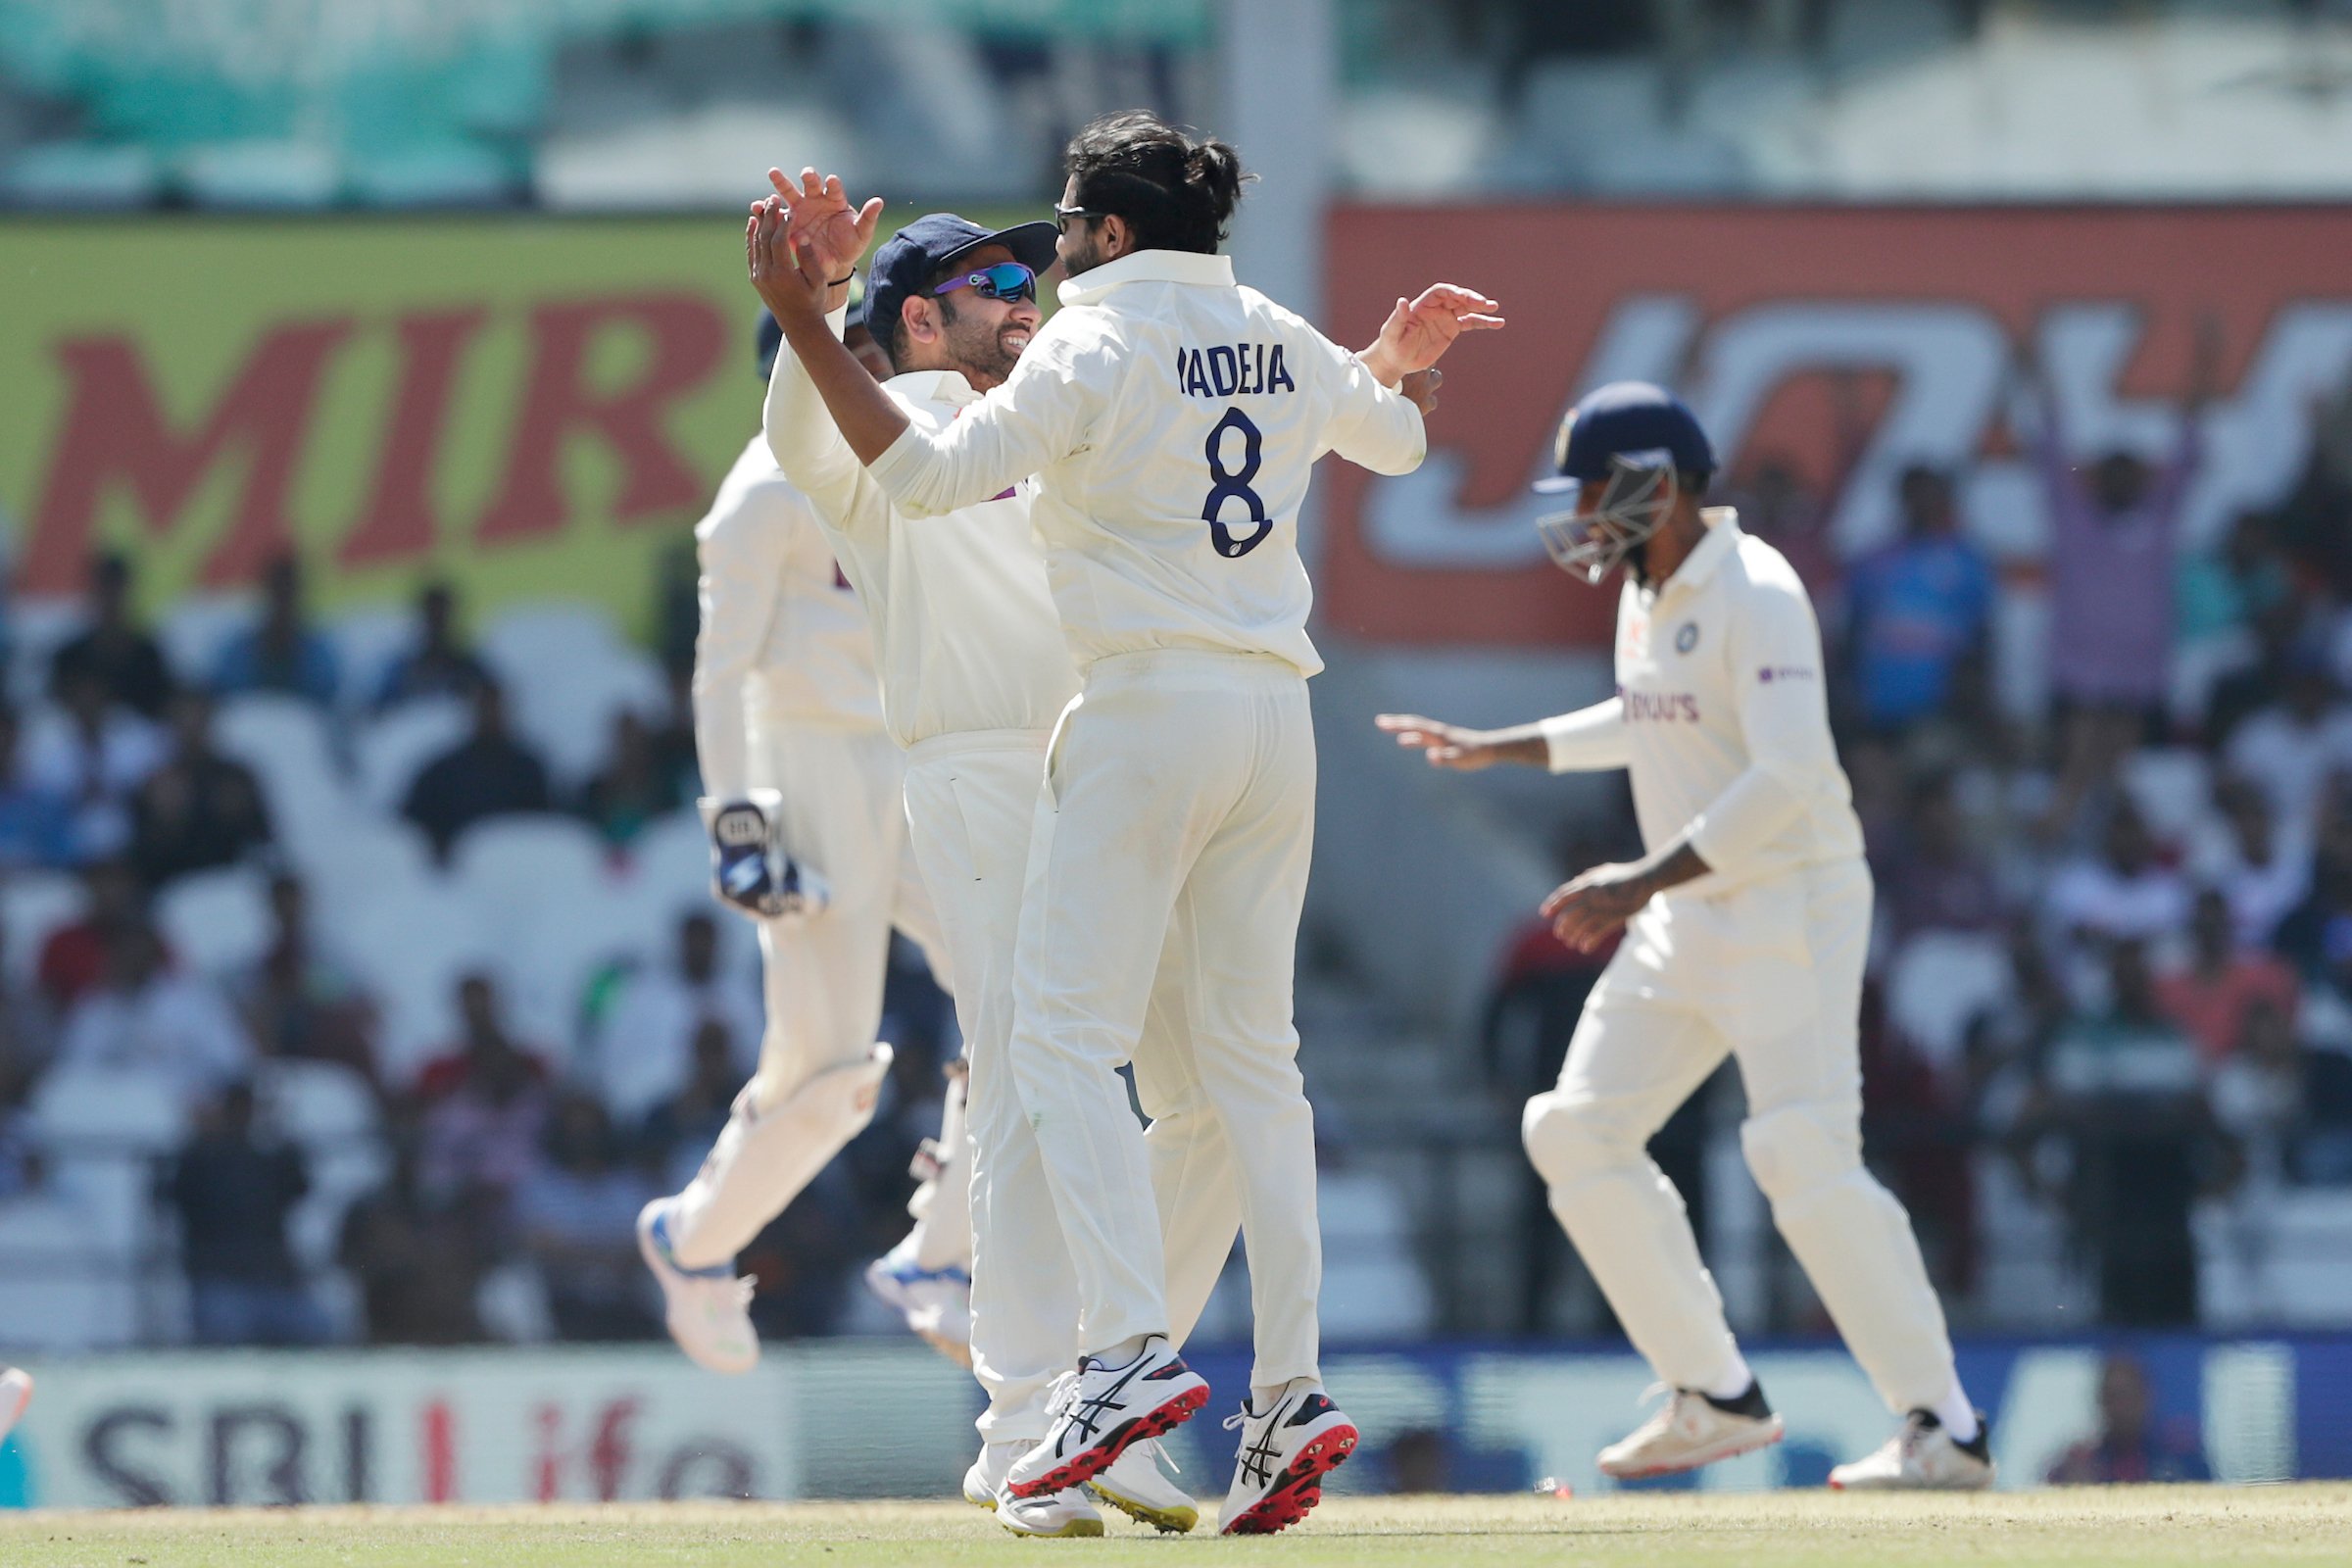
[{"x": 1007, "y": 280}]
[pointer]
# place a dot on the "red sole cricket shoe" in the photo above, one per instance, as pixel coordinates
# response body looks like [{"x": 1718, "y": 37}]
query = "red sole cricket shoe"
[
  {"x": 1300, "y": 1489},
  {"x": 1181, "y": 1405}
]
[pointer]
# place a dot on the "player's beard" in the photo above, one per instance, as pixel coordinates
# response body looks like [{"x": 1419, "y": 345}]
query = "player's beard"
[{"x": 978, "y": 347}]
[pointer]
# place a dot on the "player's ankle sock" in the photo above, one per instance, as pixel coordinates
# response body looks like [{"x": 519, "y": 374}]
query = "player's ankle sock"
[
  {"x": 1263, "y": 1395},
  {"x": 1957, "y": 1415},
  {"x": 1748, "y": 1402},
  {"x": 1733, "y": 1381},
  {"x": 1114, "y": 1356}
]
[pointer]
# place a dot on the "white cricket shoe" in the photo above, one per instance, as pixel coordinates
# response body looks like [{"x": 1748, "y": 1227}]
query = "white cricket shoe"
[
  {"x": 1141, "y": 1483},
  {"x": 15, "y": 1393},
  {"x": 1059, "y": 1514},
  {"x": 1098, "y": 1411},
  {"x": 1285, "y": 1454},
  {"x": 709, "y": 1311},
  {"x": 936, "y": 1303},
  {"x": 1691, "y": 1429},
  {"x": 1922, "y": 1457}
]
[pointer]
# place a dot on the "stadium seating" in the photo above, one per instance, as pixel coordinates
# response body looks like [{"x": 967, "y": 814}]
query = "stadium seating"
[
  {"x": 1939, "y": 982},
  {"x": 216, "y": 922},
  {"x": 392, "y": 751}
]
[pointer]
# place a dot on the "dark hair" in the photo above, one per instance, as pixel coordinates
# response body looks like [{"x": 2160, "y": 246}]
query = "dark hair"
[{"x": 1176, "y": 194}]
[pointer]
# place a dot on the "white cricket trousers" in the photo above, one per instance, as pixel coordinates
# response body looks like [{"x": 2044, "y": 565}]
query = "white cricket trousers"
[
  {"x": 1772, "y": 973},
  {"x": 971, "y": 801},
  {"x": 1178, "y": 807},
  {"x": 823, "y": 975}
]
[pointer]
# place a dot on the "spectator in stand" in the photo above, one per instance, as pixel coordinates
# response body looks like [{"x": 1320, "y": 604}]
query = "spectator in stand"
[
  {"x": 634, "y": 789},
  {"x": 1936, "y": 875},
  {"x": 26, "y": 1039},
  {"x": 233, "y": 1190},
  {"x": 2258, "y": 1097},
  {"x": 145, "y": 1016},
  {"x": 645, "y": 1048},
  {"x": 2129, "y": 1446},
  {"x": 2114, "y": 533},
  {"x": 36, "y": 824},
  {"x": 2124, "y": 1098},
  {"x": 2294, "y": 746},
  {"x": 124, "y": 659},
  {"x": 93, "y": 755},
  {"x": 2225, "y": 597},
  {"x": 2303, "y": 935},
  {"x": 1919, "y": 614},
  {"x": 418, "y": 1262},
  {"x": 2312, "y": 522},
  {"x": 483, "y": 1105},
  {"x": 297, "y": 1001},
  {"x": 2125, "y": 892},
  {"x": 577, "y": 1214},
  {"x": 439, "y": 665},
  {"x": 489, "y": 773},
  {"x": 72, "y": 960},
  {"x": 680, "y": 1130},
  {"x": 2262, "y": 869},
  {"x": 201, "y": 810},
  {"x": 2214, "y": 994},
  {"x": 282, "y": 653}
]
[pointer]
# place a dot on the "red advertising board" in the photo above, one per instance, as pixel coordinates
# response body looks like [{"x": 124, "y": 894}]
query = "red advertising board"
[{"x": 1850, "y": 341}]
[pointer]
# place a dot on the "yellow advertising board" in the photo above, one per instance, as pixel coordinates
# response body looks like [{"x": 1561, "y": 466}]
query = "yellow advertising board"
[{"x": 529, "y": 405}]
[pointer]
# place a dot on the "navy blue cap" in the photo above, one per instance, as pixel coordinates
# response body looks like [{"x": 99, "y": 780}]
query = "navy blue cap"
[
  {"x": 911, "y": 258},
  {"x": 1644, "y": 424},
  {"x": 767, "y": 333}
]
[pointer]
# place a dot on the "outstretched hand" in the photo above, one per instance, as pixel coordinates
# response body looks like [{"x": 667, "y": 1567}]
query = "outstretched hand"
[
  {"x": 1419, "y": 331},
  {"x": 829, "y": 233},
  {"x": 804, "y": 240}
]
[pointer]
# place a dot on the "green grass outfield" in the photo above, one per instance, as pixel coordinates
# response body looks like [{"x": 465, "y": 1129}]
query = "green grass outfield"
[{"x": 2132, "y": 1528}]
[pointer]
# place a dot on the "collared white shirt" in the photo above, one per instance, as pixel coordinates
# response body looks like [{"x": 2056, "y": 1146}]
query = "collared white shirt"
[
  {"x": 1721, "y": 715},
  {"x": 1172, "y": 418},
  {"x": 783, "y": 639},
  {"x": 965, "y": 624}
]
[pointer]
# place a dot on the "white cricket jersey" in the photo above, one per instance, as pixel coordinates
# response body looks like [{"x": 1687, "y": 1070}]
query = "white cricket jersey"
[
  {"x": 963, "y": 617},
  {"x": 783, "y": 638},
  {"x": 1721, "y": 716},
  {"x": 1172, "y": 418}
]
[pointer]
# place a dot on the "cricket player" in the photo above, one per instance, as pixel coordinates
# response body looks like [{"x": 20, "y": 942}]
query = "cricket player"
[
  {"x": 1747, "y": 924},
  {"x": 1171, "y": 418},
  {"x": 807, "y": 839},
  {"x": 974, "y": 672}
]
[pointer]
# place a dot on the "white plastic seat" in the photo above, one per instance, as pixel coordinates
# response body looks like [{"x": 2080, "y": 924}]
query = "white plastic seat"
[
  {"x": 366, "y": 856},
  {"x": 410, "y": 943},
  {"x": 217, "y": 921},
  {"x": 2172, "y": 787},
  {"x": 195, "y": 629},
  {"x": 367, "y": 642},
  {"x": 524, "y": 866},
  {"x": 1938, "y": 982},
  {"x": 125, "y": 1107},
  {"x": 317, "y": 1104},
  {"x": 669, "y": 868},
  {"x": 60, "y": 1292},
  {"x": 567, "y": 674},
  {"x": 34, "y": 904},
  {"x": 38, "y": 626},
  {"x": 391, "y": 751},
  {"x": 285, "y": 742}
]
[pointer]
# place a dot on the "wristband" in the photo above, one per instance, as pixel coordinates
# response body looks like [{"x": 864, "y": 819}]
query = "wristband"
[{"x": 851, "y": 278}]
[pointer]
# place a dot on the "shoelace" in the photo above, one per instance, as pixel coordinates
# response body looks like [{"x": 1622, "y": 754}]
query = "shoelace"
[{"x": 1061, "y": 1394}]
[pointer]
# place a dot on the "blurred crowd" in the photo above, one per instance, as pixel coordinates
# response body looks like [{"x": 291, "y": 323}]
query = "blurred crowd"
[
  {"x": 513, "y": 1166},
  {"x": 2112, "y": 975}
]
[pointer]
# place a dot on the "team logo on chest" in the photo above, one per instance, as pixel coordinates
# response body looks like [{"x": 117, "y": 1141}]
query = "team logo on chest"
[{"x": 1685, "y": 636}]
